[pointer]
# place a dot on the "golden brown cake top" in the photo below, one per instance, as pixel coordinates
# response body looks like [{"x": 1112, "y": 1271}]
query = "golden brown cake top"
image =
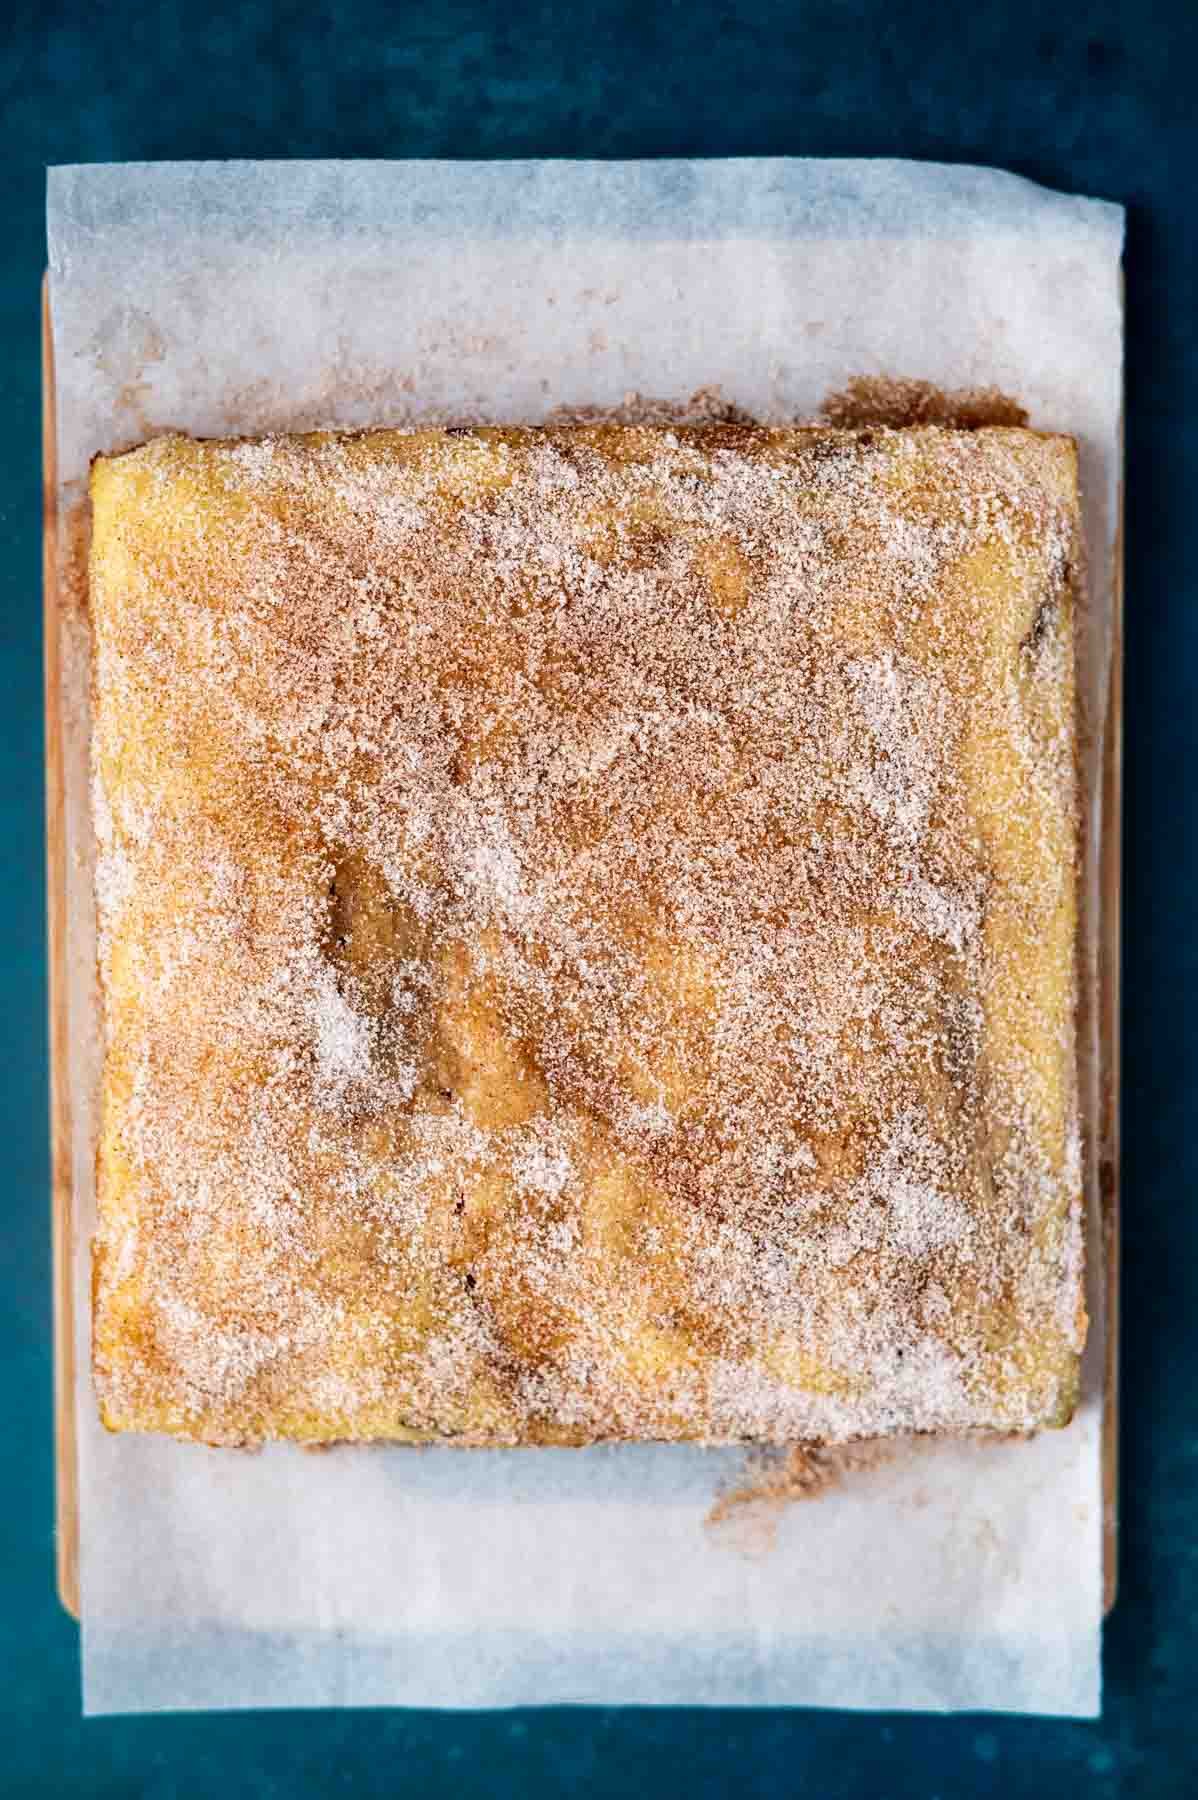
[{"x": 587, "y": 933}]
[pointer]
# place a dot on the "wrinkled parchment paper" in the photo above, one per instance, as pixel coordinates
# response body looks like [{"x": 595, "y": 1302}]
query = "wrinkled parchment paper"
[{"x": 246, "y": 297}]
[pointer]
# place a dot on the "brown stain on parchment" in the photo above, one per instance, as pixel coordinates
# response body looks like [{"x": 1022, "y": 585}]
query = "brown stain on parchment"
[
  {"x": 893, "y": 400},
  {"x": 74, "y": 539},
  {"x": 706, "y": 406},
  {"x": 745, "y": 1518},
  {"x": 899, "y": 400},
  {"x": 383, "y": 399},
  {"x": 126, "y": 344}
]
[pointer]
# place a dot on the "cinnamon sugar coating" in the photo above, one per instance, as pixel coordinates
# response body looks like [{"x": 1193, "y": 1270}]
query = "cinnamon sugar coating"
[{"x": 587, "y": 934}]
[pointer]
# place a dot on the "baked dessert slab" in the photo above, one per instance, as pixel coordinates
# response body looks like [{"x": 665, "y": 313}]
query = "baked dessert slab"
[{"x": 587, "y": 934}]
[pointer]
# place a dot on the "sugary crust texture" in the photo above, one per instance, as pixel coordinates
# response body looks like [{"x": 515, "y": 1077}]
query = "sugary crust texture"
[{"x": 587, "y": 934}]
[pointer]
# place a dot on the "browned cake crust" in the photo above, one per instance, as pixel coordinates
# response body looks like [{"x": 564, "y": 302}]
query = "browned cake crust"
[{"x": 587, "y": 928}]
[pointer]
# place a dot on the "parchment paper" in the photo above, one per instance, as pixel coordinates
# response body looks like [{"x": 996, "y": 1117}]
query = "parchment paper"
[{"x": 242, "y": 297}]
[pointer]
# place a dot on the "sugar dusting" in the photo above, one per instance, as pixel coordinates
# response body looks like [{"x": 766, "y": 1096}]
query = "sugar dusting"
[{"x": 547, "y": 936}]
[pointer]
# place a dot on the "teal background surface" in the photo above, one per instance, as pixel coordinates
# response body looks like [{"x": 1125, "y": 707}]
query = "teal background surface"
[{"x": 1098, "y": 98}]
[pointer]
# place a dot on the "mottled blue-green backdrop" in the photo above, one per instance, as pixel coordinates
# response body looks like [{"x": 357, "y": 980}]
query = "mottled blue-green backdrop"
[{"x": 1094, "y": 97}]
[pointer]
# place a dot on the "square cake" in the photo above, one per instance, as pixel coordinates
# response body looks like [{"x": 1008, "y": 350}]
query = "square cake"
[{"x": 587, "y": 934}]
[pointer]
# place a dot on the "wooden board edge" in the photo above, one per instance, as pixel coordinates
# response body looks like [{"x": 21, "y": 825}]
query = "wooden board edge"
[
  {"x": 66, "y": 1460},
  {"x": 1110, "y": 955}
]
